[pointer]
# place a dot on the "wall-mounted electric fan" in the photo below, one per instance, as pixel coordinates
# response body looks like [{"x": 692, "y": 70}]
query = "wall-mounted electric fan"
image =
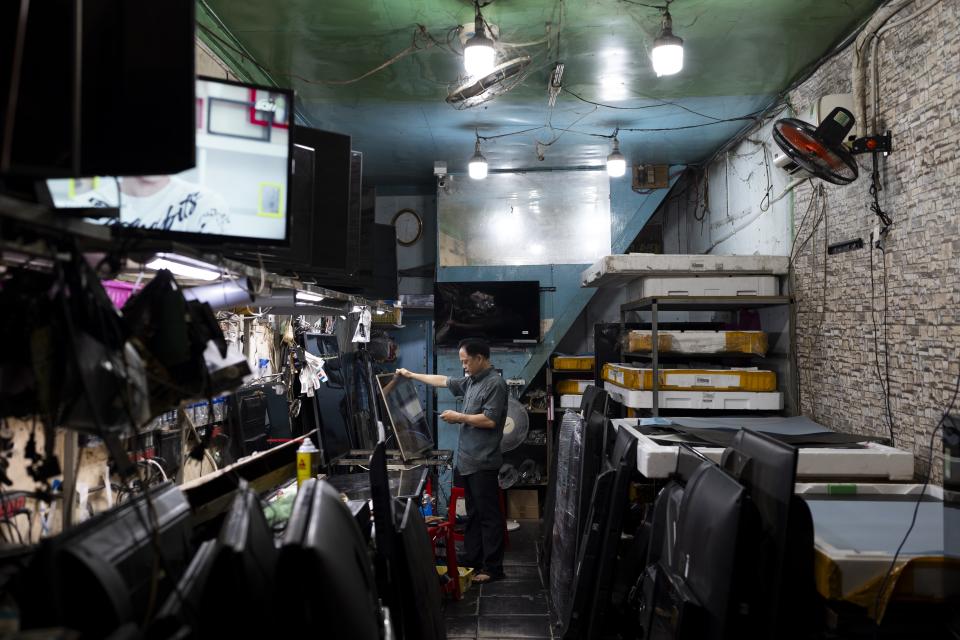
[{"x": 817, "y": 151}]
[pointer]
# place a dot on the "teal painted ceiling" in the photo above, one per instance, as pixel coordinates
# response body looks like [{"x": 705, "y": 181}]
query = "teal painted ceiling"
[{"x": 739, "y": 54}]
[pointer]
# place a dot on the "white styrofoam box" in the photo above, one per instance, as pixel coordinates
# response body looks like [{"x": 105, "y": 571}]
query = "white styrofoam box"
[
  {"x": 874, "y": 461},
  {"x": 617, "y": 270},
  {"x": 570, "y": 401},
  {"x": 648, "y": 287},
  {"x": 725, "y": 400},
  {"x": 858, "y": 565}
]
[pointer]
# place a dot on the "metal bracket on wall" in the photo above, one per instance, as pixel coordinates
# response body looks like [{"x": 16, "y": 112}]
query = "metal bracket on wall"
[{"x": 845, "y": 246}]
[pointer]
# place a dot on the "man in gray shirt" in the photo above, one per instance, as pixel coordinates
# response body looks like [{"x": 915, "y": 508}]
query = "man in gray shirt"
[{"x": 478, "y": 460}]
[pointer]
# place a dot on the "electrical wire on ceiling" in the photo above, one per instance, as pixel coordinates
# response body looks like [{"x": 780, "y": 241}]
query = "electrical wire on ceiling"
[
  {"x": 422, "y": 40},
  {"x": 663, "y": 103}
]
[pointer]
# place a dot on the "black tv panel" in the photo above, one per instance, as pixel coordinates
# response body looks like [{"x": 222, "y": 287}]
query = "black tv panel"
[
  {"x": 708, "y": 543},
  {"x": 417, "y": 579},
  {"x": 180, "y": 615},
  {"x": 325, "y": 568},
  {"x": 99, "y": 87},
  {"x": 98, "y": 575},
  {"x": 237, "y": 194},
  {"x": 242, "y": 577},
  {"x": 329, "y": 411},
  {"x": 506, "y": 312},
  {"x": 767, "y": 468}
]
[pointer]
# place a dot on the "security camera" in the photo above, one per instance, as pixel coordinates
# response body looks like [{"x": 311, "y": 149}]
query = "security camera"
[{"x": 441, "y": 181}]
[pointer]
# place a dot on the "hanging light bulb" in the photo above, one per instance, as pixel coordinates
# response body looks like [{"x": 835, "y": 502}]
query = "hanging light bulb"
[
  {"x": 667, "y": 54},
  {"x": 478, "y": 53},
  {"x": 477, "y": 167},
  {"x": 616, "y": 163}
]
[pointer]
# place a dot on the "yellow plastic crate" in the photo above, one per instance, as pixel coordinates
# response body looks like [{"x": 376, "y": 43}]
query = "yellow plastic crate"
[
  {"x": 466, "y": 576},
  {"x": 573, "y": 363},
  {"x": 698, "y": 342},
  {"x": 573, "y": 387},
  {"x": 691, "y": 379}
]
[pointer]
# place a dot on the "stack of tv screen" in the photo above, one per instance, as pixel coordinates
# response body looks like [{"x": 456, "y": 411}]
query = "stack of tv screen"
[{"x": 262, "y": 191}]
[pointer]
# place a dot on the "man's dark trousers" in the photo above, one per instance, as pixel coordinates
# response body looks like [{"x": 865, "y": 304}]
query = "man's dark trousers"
[{"x": 483, "y": 538}]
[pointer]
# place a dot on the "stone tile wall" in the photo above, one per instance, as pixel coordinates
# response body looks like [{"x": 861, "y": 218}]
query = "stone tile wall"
[{"x": 837, "y": 359}]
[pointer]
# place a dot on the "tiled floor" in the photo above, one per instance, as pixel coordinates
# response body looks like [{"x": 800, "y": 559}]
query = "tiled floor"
[{"x": 515, "y": 607}]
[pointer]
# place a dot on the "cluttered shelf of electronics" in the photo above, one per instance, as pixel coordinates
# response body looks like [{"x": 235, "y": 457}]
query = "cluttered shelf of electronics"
[
  {"x": 149, "y": 393},
  {"x": 173, "y": 380}
]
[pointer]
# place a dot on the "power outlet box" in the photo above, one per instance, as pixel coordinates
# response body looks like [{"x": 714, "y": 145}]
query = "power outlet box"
[{"x": 651, "y": 176}]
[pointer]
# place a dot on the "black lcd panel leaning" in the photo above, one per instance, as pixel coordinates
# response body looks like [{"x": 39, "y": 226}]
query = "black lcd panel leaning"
[
  {"x": 105, "y": 87},
  {"x": 767, "y": 468},
  {"x": 324, "y": 567},
  {"x": 329, "y": 410},
  {"x": 238, "y": 192},
  {"x": 406, "y": 415},
  {"x": 499, "y": 312}
]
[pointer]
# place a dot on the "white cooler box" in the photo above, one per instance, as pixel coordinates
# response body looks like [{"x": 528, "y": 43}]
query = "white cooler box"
[
  {"x": 714, "y": 286},
  {"x": 718, "y": 400}
]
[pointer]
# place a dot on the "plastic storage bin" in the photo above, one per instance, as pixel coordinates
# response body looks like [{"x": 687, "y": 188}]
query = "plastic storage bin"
[
  {"x": 572, "y": 387},
  {"x": 698, "y": 342},
  {"x": 637, "y": 378},
  {"x": 573, "y": 363}
]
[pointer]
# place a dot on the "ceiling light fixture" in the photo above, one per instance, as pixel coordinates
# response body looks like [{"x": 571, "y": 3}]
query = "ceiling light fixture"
[
  {"x": 307, "y": 296},
  {"x": 616, "y": 162},
  {"x": 667, "y": 54},
  {"x": 479, "y": 56},
  {"x": 184, "y": 267},
  {"x": 477, "y": 167}
]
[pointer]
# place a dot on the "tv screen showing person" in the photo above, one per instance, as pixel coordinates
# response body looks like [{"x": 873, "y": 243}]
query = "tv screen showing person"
[{"x": 238, "y": 188}]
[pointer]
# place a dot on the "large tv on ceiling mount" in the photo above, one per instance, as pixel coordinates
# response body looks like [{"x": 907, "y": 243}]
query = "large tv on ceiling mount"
[
  {"x": 99, "y": 87},
  {"x": 237, "y": 193},
  {"x": 320, "y": 211},
  {"x": 499, "y": 312}
]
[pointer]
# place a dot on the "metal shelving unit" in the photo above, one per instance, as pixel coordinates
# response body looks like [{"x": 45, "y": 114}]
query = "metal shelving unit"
[{"x": 786, "y": 375}]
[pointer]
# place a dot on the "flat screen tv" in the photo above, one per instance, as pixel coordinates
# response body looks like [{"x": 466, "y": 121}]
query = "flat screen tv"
[
  {"x": 320, "y": 211},
  {"x": 499, "y": 312},
  {"x": 325, "y": 570},
  {"x": 238, "y": 191},
  {"x": 96, "y": 87},
  {"x": 406, "y": 415}
]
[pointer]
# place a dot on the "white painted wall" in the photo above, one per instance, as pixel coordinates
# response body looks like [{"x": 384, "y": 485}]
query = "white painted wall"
[
  {"x": 425, "y": 250},
  {"x": 724, "y": 209}
]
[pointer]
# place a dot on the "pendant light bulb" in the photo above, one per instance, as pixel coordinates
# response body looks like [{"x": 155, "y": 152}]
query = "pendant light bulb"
[
  {"x": 477, "y": 167},
  {"x": 667, "y": 54},
  {"x": 479, "y": 56},
  {"x": 616, "y": 162}
]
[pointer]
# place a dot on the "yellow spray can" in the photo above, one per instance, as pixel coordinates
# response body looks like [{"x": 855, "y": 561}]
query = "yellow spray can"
[{"x": 306, "y": 461}]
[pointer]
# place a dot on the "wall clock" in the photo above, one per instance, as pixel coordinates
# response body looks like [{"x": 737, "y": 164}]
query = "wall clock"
[{"x": 409, "y": 226}]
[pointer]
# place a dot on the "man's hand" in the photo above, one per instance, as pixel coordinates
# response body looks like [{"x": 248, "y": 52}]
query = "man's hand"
[
  {"x": 404, "y": 373},
  {"x": 451, "y": 417}
]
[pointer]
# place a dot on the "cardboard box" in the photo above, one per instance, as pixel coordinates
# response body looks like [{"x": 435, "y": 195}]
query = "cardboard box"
[{"x": 523, "y": 504}]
